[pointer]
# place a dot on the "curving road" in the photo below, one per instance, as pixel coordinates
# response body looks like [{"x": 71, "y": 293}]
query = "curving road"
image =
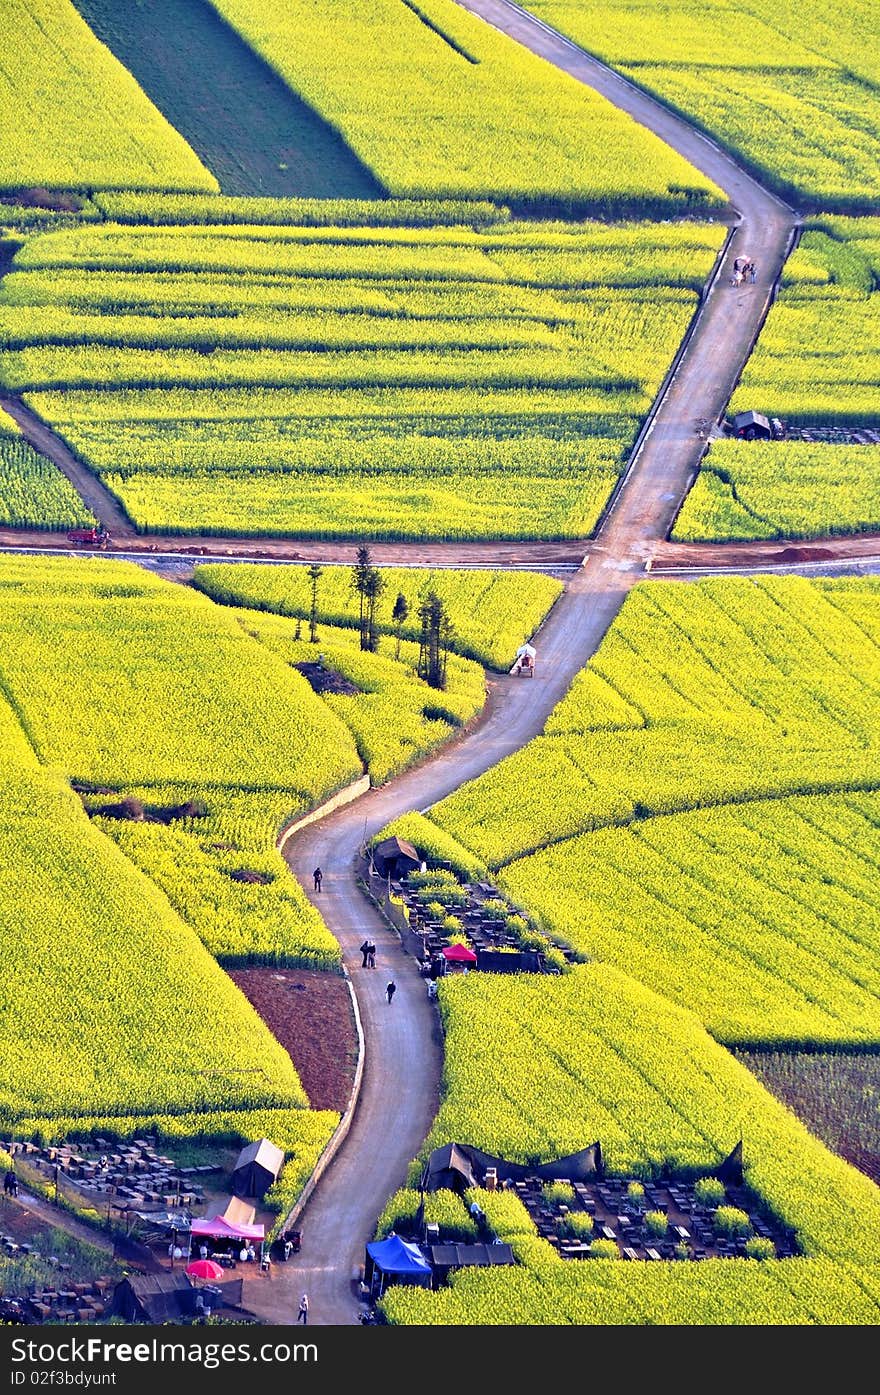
[{"x": 402, "y": 1054}]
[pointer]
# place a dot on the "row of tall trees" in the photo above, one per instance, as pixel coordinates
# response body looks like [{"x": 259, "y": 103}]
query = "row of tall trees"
[{"x": 436, "y": 631}]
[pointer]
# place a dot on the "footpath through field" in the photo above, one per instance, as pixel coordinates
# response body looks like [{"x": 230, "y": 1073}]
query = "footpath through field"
[{"x": 402, "y": 1052}]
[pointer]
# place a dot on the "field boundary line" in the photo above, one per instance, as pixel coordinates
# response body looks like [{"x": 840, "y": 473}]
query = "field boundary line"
[
  {"x": 340, "y": 1133},
  {"x": 347, "y": 794}
]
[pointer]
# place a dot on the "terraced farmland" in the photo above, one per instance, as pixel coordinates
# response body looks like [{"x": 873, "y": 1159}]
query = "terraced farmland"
[
  {"x": 389, "y": 382},
  {"x": 538, "y": 1067}
]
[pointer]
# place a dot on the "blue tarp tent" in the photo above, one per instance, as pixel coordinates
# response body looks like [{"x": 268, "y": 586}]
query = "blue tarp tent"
[{"x": 395, "y": 1261}]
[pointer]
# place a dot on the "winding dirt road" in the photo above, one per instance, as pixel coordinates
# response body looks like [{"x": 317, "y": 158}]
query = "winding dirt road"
[{"x": 402, "y": 1058}]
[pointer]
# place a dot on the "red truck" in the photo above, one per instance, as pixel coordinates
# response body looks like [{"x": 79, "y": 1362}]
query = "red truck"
[{"x": 89, "y": 537}]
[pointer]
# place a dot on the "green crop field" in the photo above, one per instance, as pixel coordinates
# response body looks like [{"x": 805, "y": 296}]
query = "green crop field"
[
  {"x": 542, "y": 1067},
  {"x": 110, "y": 1004},
  {"x": 395, "y": 381},
  {"x": 74, "y": 118},
  {"x": 33, "y": 493},
  {"x": 815, "y": 364},
  {"x": 435, "y": 102},
  {"x": 792, "y": 91},
  {"x": 735, "y": 699}
]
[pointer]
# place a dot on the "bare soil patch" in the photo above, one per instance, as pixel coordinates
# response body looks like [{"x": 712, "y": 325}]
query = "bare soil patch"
[{"x": 310, "y": 1013}]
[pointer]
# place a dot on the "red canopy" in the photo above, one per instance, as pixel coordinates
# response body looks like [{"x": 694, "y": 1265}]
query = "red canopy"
[
  {"x": 459, "y": 954},
  {"x": 218, "y": 1229}
]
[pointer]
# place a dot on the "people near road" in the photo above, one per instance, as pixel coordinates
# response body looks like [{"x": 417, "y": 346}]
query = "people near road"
[
  {"x": 390, "y": 989},
  {"x": 318, "y": 876},
  {"x": 371, "y": 955},
  {"x": 432, "y": 990},
  {"x": 288, "y": 1247},
  {"x": 743, "y": 267},
  {"x": 303, "y": 1314},
  {"x": 10, "y": 1183},
  {"x": 365, "y": 951},
  {"x": 203, "y": 1251}
]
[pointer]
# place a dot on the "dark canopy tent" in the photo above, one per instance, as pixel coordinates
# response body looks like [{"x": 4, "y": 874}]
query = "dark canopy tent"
[
  {"x": 458, "y": 1166},
  {"x": 154, "y": 1298},
  {"x": 257, "y": 1168},
  {"x": 731, "y": 1169},
  {"x": 395, "y": 857},
  {"x": 449, "y": 1169},
  {"x": 507, "y": 961},
  {"x": 446, "y": 1257},
  {"x": 159, "y": 1298},
  {"x": 395, "y": 1261}
]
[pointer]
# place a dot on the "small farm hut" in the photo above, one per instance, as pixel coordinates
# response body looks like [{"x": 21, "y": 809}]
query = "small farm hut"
[
  {"x": 752, "y": 426},
  {"x": 395, "y": 857},
  {"x": 258, "y": 1166}
]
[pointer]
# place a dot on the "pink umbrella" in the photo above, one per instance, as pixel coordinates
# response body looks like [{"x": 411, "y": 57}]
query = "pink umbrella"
[{"x": 205, "y": 1269}]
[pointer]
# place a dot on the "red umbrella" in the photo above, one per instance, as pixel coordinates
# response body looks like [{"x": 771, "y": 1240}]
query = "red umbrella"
[{"x": 205, "y": 1269}]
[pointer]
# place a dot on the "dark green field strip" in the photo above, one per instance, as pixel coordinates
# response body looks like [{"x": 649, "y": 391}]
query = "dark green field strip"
[
  {"x": 252, "y": 131},
  {"x": 834, "y": 1093}
]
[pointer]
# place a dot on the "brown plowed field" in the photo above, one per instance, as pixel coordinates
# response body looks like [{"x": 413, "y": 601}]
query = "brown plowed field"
[{"x": 310, "y": 1013}]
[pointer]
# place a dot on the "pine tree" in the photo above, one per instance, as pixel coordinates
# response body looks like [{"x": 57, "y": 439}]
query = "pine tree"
[
  {"x": 399, "y": 616},
  {"x": 314, "y": 574}
]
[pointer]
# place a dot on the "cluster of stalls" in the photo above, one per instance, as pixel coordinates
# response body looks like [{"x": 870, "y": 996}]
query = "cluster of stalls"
[
  {"x": 398, "y": 1261},
  {"x": 457, "y": 1167},
  {"x": 492, "y": 947},
  {"x": 231, "y": 1230}
]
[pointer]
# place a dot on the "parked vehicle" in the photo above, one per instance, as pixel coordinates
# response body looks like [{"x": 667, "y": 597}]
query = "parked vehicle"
[{"x": 89, "y": 537}]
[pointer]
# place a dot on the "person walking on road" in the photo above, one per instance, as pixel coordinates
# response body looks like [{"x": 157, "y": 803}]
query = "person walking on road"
[
  {"x": 365, "y": 953},
  {"x": 303, "y": 1314},
  {"x": 371, "y": 955},
  {"x": 753, "y": 273},
  {"x": 319, "y": 877},
  {"x": 391, "y": 989}
]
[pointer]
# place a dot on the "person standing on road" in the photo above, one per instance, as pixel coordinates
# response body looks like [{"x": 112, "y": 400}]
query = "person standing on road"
[
  {"x": 753, "y": 273},
  {"x": 303, "y": 1314},
  {"x": 318, "y": 877},
  {"x": 371, "y": 955},
  {"x": 391, "y": 989},
  {"x": 365, "y": 952}
]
